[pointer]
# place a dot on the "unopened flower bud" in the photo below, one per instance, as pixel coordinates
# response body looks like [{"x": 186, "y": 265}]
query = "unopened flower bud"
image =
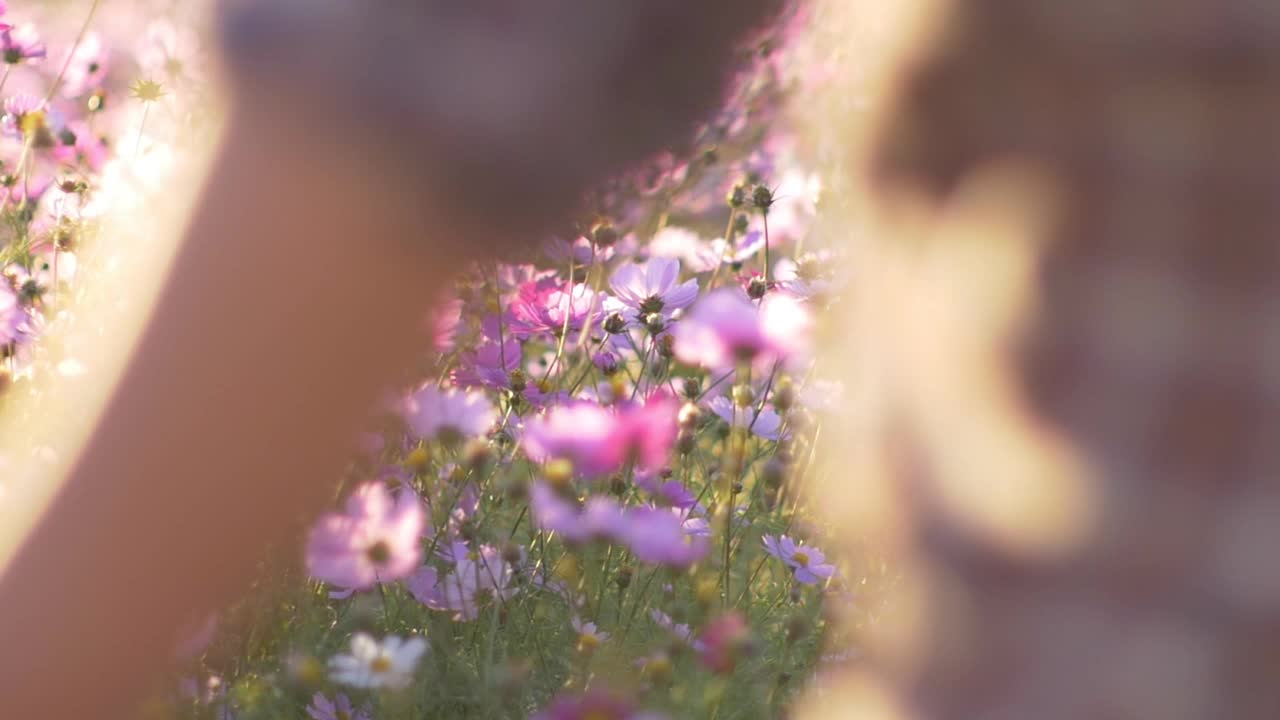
[
  {"x": 797, "y": 627},
  {"x": 519, "y": 381},
  {"x": 479, "y": 455},
  {"x": 774, "y": 473},
  {"x": 511, "y": 553},
  {"x": 615, "y": 324},
  {"x": 762, "y": 198},
  {"x": 604, "y": 236},
  {"x": 666, "y": 347},
  {"x": 655, "y": 323},
  {"x": 618, "y": 485},
  {"x": 757, "y": 288},
  {"x": 740, "y": 225},
  {"x": 623, "y": 579},
  {"x": 784, "y": 398},
  {"x": 743, "y": 396},
  {"x": 685, "y": 442},
  {"x": 737, "y": 197},
  {"x": 691, "y": 388}
]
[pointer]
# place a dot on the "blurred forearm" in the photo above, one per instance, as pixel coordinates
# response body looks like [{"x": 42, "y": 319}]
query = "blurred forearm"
[{"x": 289, "y": 305}]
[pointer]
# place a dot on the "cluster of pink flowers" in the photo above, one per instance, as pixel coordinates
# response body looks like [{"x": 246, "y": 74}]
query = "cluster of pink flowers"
[{"x": 611, "y": 433}]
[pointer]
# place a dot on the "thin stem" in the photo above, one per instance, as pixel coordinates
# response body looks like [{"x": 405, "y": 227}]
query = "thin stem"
[
  {"x": 137, "y": 146},
  {"x": 84, "y": 29}
]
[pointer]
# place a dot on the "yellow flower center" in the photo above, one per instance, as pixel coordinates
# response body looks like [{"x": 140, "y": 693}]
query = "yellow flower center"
[
  {"x": 587, "y": 643},
  {"x": 380, "y": 664},
  {"x": 801, "y": 558}
]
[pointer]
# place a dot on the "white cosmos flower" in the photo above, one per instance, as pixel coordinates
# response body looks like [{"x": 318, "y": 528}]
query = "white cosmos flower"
[{"x": 373, "y": 665}]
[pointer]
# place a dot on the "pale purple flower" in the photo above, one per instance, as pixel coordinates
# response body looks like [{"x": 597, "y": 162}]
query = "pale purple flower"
[
  {"x": 654, "y": 287},
  {"x": 590, "y": 637},
  {"x": 678, "y": 242},
  {"x": 490, "y": 364},
  {"x": 808, "y": 563},
  {"x": 16, "y": 109},
  {"x": 21, "y": 44},
  {"x": 600, "y": 517},
  {"x": 658, "y": 536},
  {"x": 339, "y": 708},
  {"x": 448, "y": 413},
  {"x": 766, "y": 424},
  {"x": 681, "y": 631},
  {"x": 376, "y": 539},
  {"x": 476, "y": 580}
]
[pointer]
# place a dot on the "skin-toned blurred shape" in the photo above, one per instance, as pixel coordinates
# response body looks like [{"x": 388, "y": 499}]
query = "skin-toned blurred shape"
[
  {"x": 1139, "y": 367},
  {"x": 251, "y": 378}
]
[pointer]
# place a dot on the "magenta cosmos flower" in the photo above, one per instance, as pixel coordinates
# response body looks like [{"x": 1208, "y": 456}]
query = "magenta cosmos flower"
[
  {"x": 551, "y": 307},
  {"x": 376, "y": 539},
  {"x": 449, "y": 414},
  {"x": 600, "y": 440},
  {"x": 725, "y": 328},
  {"x": 654, "y": 287},
  {"x": 808, "y": 563}
]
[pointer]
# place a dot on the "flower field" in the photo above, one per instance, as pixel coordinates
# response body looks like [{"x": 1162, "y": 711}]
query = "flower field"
[{"x": 594, "y": 500}]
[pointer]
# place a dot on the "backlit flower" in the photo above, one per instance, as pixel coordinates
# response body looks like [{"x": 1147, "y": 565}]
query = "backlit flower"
[
  {"x": 376, "y": 539},
  {"x": 373, "y": 664},
  {"x": 808, "y": 563}
]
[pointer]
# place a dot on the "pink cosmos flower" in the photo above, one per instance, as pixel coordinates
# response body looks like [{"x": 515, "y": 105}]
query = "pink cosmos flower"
[
  {"x": 87, "y": 67},
  {"x": 21, "y": 44},
  {"x": 376, "y": 539},
  {"x": 16, "y": 110},
  {"x": 653, "y": 288},
  {"x": 339, "y": 708},
  {"x": 600, "y": 440},
  {"x": 444, "y": 324},
  {"x": 808, "y": 563},
  {"x": 551, "y": 307},
  {"x": 87, "y": 150},
  {"x": 726, "y": 328},
  {"x": 448, "y": 413},
  {"x": 724, "y": 641}
]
